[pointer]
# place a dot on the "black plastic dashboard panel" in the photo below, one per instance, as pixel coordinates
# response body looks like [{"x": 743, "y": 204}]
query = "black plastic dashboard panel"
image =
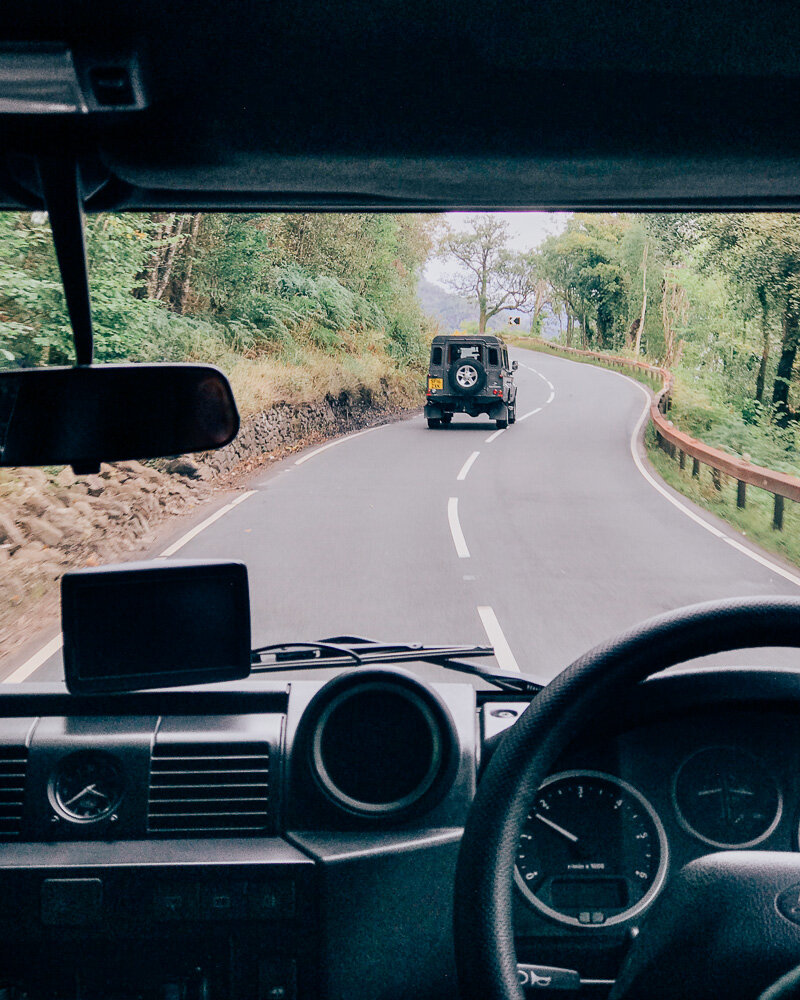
[
  {"x": 237, "y": 914},
  {"x": 323, "y": 903}
]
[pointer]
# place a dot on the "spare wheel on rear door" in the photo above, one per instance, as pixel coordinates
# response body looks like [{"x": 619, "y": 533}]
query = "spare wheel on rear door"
[{"x": 467, "y": 376}]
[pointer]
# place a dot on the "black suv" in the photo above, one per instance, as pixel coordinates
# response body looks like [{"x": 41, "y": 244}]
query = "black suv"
[{"x": 470, "y": 375}]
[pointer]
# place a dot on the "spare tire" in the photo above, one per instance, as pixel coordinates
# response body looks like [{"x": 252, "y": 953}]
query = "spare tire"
[{"x": 467, "y": 377}]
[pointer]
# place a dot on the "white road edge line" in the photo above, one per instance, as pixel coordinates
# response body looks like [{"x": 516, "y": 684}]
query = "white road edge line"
[
  {"x": 23, "y": 673},
  {"x": 773, "y": 567},
  {"x": 52, "y": 647},
  {"x": 530, "y": 413},
  {"x": 332, "y": 444},
  {"x": 502, "y": 651},
  {"x": 467, "y": 466},
  {"x": 172, "y": 549},
  {"x": 455, "y": 529},
  {"x": 494, "y": 435}
]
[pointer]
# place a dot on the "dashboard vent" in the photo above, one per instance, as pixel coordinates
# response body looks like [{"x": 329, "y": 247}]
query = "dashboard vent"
[
  {"x": 13, "y": 766},
  {"x": 209, "y": 789}
]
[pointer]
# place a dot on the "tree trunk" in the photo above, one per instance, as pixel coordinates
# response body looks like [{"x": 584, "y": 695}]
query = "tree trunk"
[
  {"x": 186, "y": 284},
  {"x": 482, "y": 303},
  {"x": 165, "y": 224},
  {"x": 783, "y": 377},
  {"x": 762, "y": 367},
  {"x": 165, "y": 277},
  {"x": 640, "y": 328}
]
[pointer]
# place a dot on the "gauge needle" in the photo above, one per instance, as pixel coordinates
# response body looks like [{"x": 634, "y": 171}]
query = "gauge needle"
[
  {"x": 90, "y": 790},
  {"x": 557, "y": 828}
]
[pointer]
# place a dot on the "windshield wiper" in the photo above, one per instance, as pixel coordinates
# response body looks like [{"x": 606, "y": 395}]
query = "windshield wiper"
[{"x": 356, "y": 651}]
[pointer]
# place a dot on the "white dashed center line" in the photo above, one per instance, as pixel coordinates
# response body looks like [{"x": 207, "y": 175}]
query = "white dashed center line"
[
  {"x": 455, "y": 529},
  {"x": 530, "y": 413},
  {"x": 502, "y": 651},
  {"x": 467, "y": 466}
]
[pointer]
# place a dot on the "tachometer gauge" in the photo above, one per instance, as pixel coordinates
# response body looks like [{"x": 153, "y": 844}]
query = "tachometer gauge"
[
  {"x": 592, "y": 852},
  {"x": 727, "y": 798},
  {"x": 86, "y": 787}
]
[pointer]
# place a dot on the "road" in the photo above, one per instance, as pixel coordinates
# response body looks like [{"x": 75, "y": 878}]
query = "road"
[{"x": 548, "y": 536}]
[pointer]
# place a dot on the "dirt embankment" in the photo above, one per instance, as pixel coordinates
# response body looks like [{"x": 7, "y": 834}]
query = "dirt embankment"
[{"x": 52, "y": 520}]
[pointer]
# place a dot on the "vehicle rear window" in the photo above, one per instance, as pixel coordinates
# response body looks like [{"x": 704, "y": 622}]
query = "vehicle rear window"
[
  {"x": 493, "y": 356},
  {"x": 460, "y": 351},
  {"x": 436, "y": 356}
]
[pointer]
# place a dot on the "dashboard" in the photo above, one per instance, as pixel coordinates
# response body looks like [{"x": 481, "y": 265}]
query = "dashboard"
[{"x": 282, "y": 840}]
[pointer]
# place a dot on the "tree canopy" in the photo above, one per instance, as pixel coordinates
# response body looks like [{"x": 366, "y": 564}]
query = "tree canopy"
[{"x": 488, "y": 273}]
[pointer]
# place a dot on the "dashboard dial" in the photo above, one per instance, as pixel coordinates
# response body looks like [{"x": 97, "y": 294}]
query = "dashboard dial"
[
  {"x": 727, "y": 797},
  {"x": 592, "y": 852},
  {"x": 86, "y": 787}
]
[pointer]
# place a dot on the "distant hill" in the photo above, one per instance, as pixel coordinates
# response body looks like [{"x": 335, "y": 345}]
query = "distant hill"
[{"x": 450, "y": 310}]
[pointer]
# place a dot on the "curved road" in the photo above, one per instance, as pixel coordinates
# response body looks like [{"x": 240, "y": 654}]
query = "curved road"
[{"x": 549, "y": 536}]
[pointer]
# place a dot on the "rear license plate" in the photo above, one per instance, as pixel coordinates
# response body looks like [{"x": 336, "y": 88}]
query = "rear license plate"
[{"x": 435, "y": 383}]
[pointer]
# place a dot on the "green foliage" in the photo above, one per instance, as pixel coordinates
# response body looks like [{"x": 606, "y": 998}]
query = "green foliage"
[
  {"x": 722, "y": 310},
  {"x": 586, "y": 269},
  {"x": 180, "y": 286}
]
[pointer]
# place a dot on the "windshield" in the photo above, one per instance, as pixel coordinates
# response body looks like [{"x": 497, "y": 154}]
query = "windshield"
[{"x": 634, "y": 451}]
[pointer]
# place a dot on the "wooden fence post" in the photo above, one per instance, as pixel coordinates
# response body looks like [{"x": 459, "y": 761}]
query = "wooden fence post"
[
  {"x": 695, "y": 468},
  {"x": 777, "y": 517},
  {"x": 682, "y": 458},
  {"x": 741, "y": 495},
  {"x": 716, "y": 478}
]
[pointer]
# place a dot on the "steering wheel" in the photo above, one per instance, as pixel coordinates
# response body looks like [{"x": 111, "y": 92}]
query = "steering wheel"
[{"x": 717, "y": 930}]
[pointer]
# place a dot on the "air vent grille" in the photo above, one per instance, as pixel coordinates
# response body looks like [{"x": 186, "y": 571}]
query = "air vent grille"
[
  {"x": 13, "y": 766},
  {"x": 209, "y": 789}
]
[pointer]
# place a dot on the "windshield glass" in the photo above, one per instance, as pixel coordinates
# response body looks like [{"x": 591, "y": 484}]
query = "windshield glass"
[{"x": 631, "y": 448}]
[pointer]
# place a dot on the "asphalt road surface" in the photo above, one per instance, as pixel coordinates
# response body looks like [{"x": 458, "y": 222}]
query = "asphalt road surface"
[{"x": 545, "y": 538}]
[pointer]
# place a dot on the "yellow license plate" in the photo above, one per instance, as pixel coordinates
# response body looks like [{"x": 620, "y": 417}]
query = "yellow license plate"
[{"x": 435, "y": 383}]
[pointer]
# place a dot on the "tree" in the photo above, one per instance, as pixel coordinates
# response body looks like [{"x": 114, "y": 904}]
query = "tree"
[
  {"x": 489, "y": 274},
  {"x": 759, "y": 254},
  {"x": 585, "y": 270}
]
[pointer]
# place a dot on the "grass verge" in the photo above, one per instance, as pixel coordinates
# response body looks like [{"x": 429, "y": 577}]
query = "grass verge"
[{"x": 301, "y": 372}]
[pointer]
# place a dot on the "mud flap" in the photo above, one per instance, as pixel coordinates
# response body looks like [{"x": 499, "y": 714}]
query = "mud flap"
[{"x": 432, "y": 412}]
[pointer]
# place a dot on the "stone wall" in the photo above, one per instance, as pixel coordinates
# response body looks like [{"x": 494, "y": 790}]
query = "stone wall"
[{"x": 285, "y": 427}]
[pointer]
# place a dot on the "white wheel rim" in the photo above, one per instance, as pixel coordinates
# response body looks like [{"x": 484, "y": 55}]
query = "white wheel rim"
[{"x": 466, "y": 377}]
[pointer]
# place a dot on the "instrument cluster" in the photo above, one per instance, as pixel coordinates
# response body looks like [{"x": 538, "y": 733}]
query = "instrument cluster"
[{"x": 597, "y": 849}]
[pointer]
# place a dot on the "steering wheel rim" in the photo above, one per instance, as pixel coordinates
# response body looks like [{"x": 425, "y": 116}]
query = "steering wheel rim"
[{"x": 484, "y": 937}]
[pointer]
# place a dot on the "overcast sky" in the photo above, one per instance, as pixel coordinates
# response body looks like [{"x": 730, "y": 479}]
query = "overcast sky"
[{"x": 528, "y": 230}]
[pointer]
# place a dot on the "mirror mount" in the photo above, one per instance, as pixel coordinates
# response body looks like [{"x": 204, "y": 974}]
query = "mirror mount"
[{"x": 63, "y": 198}]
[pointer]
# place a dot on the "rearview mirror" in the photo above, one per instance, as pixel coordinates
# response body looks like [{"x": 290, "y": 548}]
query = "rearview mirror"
[
  {"x": 110, "y": 413},
  {"x": 514, "y": 365}
]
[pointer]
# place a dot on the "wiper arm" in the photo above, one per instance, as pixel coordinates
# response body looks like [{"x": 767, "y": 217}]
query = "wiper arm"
[
  {"x": 302, "y": 652},
  {"x": 348, "y": 650}
]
